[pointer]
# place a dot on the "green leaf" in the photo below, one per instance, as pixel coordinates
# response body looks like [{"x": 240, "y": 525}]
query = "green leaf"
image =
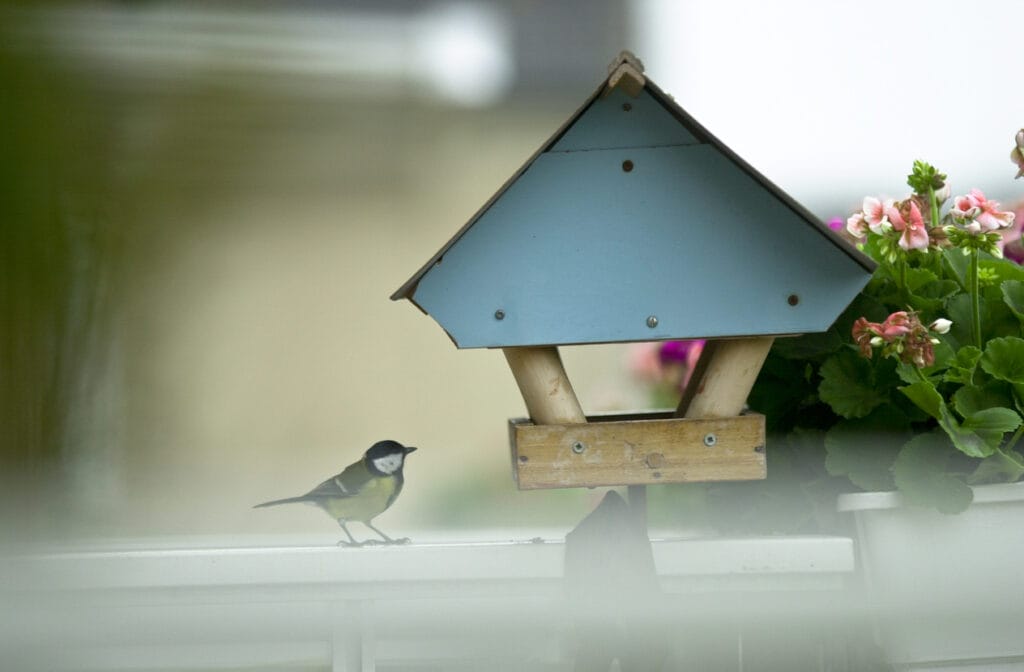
[
  {"x": 931, "y": 298},
  {"x": 864, "y": 449},
  {"x": 1004, "y": 270},
  {"x": 945, "y": 356},
  {"x": 997, "y": 319},
  {"x": 926, "y": 397},
  {"x": 961, "y": 369},
  {"x": 808, "y": 346},
  {"x": 1013, "y": 295},
  {"x": 781, "y": 393},
  {"x": 956, "y": 263},
  {"x": 1004, "y": 359},
  {"x": 927, "y": 291},
  {"x": 919, "y": 277},
  {"x": 991, "y": 424},
  {"x": 1018, "y": 397},
  {"x": 920, "y": 474},
  {"x": 847, "y": 385},
  {"x": 958, "y": 309},
  {"x": 1003, "y": 466},
  {"x": 971, "y": 399},
  {"x": 965, "y": 440},
  {"x": 908, "y": 373},
  {"x": 940, "y": 289}
]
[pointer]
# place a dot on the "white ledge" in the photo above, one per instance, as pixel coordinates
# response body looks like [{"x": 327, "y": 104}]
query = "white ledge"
[{"x": 284, "y": 565}]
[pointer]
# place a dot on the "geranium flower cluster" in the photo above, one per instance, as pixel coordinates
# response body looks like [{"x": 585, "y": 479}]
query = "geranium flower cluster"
[
  {"x": 978, "y": 214},
  {"x": 972, "y": 222},
  {"x": 901, "y": 335},
  {"x": 904, "y": 220},
  {"x": 976, "y": 222}
]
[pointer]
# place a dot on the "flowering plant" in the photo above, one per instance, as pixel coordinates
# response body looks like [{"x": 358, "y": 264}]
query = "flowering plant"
[{"x": 919, "y": 386}]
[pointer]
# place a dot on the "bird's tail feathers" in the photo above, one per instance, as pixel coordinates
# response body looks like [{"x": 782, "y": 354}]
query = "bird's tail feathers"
[{"x": 286, "y": 500}]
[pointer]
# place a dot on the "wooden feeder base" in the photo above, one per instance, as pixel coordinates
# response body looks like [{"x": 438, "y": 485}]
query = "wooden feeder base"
[{"x": 638, "y": 449}]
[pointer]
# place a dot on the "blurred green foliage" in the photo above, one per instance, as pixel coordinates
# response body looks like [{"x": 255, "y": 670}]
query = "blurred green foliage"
[{"x": 55, "y": 254}]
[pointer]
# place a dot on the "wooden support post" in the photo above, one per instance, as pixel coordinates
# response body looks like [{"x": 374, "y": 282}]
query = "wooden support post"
[
  {"x": 550, "y": 400},
  {"x": 723, "y": 378},
  {"x": 549, "y": 397}
]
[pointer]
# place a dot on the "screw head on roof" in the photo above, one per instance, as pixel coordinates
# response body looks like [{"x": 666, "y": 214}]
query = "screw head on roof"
[{"x": 652, "y": 321}]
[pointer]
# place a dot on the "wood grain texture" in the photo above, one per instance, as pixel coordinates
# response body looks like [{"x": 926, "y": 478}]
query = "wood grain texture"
[
  {"x": 640, "y": 451},
  {"x": 544, "y": 385},
  {"x": 723, "y": 378}
]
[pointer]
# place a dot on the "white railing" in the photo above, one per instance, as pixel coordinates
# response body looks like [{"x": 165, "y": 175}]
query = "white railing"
[{"x": 426, "y": 606}]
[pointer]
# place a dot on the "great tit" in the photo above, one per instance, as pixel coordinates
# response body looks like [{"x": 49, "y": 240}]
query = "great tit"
[{"x": 363, "y": 491}]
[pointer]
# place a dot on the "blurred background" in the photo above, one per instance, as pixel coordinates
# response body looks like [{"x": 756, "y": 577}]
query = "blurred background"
[{"x": 205, "y": 208}]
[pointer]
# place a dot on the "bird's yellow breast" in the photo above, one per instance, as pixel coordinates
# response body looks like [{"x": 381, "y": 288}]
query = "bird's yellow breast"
[{"x": 368, "y": 503}]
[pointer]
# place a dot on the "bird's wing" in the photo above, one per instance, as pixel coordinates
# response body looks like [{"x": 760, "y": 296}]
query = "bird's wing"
[{"x": 346, "y": 484}]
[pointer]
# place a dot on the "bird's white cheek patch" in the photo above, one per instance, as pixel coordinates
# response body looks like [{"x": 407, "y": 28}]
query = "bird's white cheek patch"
[{"x": 388, "y": 464}]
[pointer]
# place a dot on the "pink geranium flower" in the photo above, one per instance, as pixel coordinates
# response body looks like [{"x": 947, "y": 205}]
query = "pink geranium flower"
[
  {"x": 964, "y": 209},
  {"x": 878, "y": 214},
  {"x": 896, "y": 325},
  {"x": 979, "y": 213},
  {"x": 863, "y": 333},
  {"x": 856, "y": 225},
  {"x": 901, "y": 335},
  {"x": 910, "y": 223},
  {"x": 991, "y": 217}
]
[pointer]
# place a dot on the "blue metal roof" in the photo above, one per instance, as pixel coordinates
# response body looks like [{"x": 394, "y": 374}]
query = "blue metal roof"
[{"x": 634, "y": 223}]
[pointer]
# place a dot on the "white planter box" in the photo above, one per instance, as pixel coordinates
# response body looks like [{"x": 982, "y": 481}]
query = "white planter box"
[{"x": 947, "y": 591}]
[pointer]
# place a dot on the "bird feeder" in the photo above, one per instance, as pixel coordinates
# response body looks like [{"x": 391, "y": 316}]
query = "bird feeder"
[{"x": 634, "y": 223}]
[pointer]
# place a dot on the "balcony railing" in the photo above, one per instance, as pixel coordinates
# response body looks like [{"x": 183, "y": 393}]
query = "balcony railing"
[{"x": 726, "y": 604}]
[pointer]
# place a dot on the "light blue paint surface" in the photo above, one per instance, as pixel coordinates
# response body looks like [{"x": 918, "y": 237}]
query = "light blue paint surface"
[
  {"x": 606, "y": 125},
  {"x": 579, "y": 251}
]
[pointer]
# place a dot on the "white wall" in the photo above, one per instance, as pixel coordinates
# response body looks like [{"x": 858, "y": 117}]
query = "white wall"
[{"x": 835, "y": 100}]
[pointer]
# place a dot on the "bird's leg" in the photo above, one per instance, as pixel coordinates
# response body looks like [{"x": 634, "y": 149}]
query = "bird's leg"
[
  {"x": 387, "y": 539},
  {"x": 351, "y": 543}
]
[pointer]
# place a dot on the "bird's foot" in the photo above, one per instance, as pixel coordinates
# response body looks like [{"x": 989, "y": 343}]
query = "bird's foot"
[
  {"x": 374, "y": 542},
  {"x": 399, "y": 542},
  {"x": 351, "y": 544}
]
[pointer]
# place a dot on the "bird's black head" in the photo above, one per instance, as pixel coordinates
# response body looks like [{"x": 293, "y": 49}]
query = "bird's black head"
[{"x": 386, "y": 457}]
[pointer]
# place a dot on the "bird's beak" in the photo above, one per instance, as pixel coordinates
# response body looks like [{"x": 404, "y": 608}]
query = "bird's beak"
[{"x": 409, "y": 449}]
